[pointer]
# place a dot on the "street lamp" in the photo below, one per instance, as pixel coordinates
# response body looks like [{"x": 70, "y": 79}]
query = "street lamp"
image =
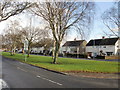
[
  {"x": 93, "y": 47},
  {"x": 25, "y": 47}
]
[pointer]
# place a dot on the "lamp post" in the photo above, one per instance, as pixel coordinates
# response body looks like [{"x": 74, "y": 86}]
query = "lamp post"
[
  {"x": 25, "y": 48},
  {"x": 93, "y": 47}
]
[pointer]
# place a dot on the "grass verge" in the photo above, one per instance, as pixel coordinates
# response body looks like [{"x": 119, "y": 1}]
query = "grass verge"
[{"x": 67, "y": 64}]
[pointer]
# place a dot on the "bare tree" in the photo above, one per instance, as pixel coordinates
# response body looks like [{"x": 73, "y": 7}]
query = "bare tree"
[
  {"x": 46, "y": 42},
  {"x": 5, "y": 42},
  {"x": 33, "y": 34},
  {"x": 61, "y": 16},
  {"x": 111, "y": 20},
  {"x": 10, "y": 8},
  {"x": 12, "y": 37}
]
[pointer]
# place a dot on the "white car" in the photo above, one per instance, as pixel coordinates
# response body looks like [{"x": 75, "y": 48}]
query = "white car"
[{"x": 20, "y": 51}]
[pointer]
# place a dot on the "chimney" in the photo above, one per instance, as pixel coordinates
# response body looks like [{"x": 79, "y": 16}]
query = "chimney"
[
  {"x": 103, "y": 37},
  {"x": 75, "y": 39}
]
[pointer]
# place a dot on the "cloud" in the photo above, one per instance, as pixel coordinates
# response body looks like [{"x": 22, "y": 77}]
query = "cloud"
[
  {"x": 115, "y": 29},
  {"x": 67, "y": 0}
]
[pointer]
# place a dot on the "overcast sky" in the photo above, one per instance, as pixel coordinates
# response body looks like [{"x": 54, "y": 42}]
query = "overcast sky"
[{"x": 98, "y": 26}]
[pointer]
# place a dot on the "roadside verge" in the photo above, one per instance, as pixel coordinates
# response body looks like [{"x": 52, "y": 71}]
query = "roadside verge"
[{"x": 77, "y": 74}]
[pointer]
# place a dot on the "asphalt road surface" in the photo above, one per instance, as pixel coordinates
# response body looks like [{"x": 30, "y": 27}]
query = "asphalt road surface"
[{"x": 20, "y": 75}]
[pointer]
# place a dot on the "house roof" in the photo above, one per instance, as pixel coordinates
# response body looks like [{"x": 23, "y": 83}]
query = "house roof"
[
  {"x": 73, "y": 43},
  {"x": 106, "y": 41}
]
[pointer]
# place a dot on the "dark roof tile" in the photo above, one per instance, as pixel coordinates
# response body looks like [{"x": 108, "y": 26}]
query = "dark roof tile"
[
  {"x": 106, "y": 41},
  {"x": 73, "y": 43}
]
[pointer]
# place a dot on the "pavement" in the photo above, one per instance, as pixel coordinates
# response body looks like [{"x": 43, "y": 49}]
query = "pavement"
[{"x": 21, "y": 75}]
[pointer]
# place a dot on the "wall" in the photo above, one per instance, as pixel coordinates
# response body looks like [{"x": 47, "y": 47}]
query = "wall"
[
  {"x": 96, "y": 49},
  {"x": 38, "y": 49},
  {"x": 112, "y": 57},
  {"x": 67, "y": 49},
  {"x": 117, "y": 46},
  {"x": 80, "y": 50}
]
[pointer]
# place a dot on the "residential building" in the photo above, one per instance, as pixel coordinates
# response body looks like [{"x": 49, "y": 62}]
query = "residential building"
[
  {"x": 74, "y": 47},
  {"x": 103, "y": 47},
  {"x": 37, "y": 49}
]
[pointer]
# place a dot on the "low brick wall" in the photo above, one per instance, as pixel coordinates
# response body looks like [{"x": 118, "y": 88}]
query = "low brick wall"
[{"x": 112, "y": 57}]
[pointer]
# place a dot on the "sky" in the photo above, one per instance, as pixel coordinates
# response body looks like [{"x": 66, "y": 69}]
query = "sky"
[
  {"x": 97, "y": 30},
  {"x": 98, "y": 26}
]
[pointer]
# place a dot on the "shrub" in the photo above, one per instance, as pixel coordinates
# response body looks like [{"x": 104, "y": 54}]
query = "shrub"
[
  {"x": 76, "y": 55},
  {"x": 100, "y": 57}
]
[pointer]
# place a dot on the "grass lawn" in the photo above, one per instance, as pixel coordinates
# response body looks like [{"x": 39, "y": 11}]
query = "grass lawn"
[{"x": 68, "y": 64}]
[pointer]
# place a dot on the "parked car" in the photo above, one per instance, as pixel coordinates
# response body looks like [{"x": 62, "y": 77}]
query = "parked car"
[{"x": 19, "y": 51}]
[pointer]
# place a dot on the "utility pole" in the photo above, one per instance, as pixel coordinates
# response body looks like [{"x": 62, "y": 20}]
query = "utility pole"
[
  {"x": 25, "y": 48},
  {"x": 93, "y": 47}
]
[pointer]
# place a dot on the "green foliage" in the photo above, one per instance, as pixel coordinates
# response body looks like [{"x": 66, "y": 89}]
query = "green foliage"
[{"x": 68, "y": 64}]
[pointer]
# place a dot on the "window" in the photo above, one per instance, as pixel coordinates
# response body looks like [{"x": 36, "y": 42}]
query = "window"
[
  {"x": 109, "y": 53},
  {"x": 75, "y": 51},
  {"x": 117, "y": 46},
  {"x": 94, "y": 46},
  {"x": 104, "y": 46},
  {"x": 118, "y": 53}
]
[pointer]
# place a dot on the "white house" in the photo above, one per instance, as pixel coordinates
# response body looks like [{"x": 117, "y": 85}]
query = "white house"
[
  {"x": 37, "y": 49},
  {"x": 41, "y": 50},
  {"x": 104, "y": 46},
  {"x": 74, "y": 47}
]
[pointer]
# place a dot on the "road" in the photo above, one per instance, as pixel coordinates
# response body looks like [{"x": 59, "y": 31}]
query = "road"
[{"x": 20, "y": 75}]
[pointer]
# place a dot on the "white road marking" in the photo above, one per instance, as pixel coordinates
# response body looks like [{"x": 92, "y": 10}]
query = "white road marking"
[
  {"x": 38, "y": 76},
  {"x": 21, "y": 69},
  {"x": 49, "y": 80},
  {"x": 3, "y": 84},
  {"x": 21, "y": 63}
]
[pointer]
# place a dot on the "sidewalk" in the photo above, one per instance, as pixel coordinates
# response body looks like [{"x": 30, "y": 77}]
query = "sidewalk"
[{"x": 95, "y": 75}]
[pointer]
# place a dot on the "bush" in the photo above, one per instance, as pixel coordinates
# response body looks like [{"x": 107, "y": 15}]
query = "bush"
[
  {"x": 100, "y": 57},
  {"x": 60, "y": 55},
  {"x": 76, "y": 55}
]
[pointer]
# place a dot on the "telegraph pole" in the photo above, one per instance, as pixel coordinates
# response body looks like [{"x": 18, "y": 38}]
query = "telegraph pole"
[{"x": 25, "y": 48}]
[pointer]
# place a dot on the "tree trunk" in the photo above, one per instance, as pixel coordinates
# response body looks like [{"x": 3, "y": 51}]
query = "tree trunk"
[
  {"x": 53, "y": 50},
  {"x": 11, "y": 51},
  {"x": 56, "y": 52},
  {"x": 23, "y": 51},
  {"x": 28, "y": 51},
  {"x": 14, "y": 50}
]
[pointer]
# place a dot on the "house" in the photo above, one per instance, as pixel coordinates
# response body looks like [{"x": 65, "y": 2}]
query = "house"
[
  {"x": 42, "y": 47},
  {"x": 74, "y": 47},
  {"x": 103, "y": 47},
  {"x": 37, "y": 50}
]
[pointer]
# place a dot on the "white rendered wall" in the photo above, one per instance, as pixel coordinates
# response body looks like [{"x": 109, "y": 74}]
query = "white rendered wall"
[{"x": 96, "y": 49}]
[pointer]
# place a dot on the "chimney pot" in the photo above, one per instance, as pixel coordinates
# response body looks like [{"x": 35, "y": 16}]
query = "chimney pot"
[
  {"x": 103, "y": 37},
  {"x": 75, "y": 39}
]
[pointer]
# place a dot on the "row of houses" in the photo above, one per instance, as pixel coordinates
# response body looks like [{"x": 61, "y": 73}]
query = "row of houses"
[{"x": 102, "y": 47}]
